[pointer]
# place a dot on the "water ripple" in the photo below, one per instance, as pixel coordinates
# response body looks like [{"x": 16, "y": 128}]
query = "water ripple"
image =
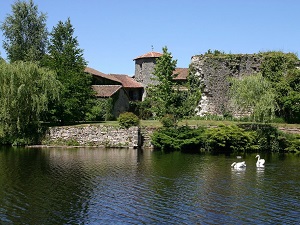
[{"x": 81, "y": 186}]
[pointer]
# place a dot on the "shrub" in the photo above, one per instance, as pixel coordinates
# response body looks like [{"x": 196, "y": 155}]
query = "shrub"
[
  {"x": 101, "y": 110},
  {"x": 183, "y": 139},
  {"x": 141, "y": 109},
  {"x": 168, "y": 121},
  {"x": 225, "y": 139},
  {"x": 128, "y": 119},
  {"x": 293, "y": 143},
  {"x": 229, "y": 139},
  {"x": 268, "y": 137}
]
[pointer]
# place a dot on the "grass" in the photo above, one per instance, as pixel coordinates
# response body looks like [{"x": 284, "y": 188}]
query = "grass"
[{"x": 156, "y": 123}]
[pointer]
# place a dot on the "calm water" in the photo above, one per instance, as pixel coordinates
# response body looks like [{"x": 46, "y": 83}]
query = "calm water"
[{"x": 120, "y": 186}]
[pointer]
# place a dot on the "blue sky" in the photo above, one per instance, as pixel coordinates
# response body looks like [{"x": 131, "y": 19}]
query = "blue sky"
[{"x": 113, "y": 32}]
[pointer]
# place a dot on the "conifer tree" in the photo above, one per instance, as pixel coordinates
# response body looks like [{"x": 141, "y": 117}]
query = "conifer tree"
[
  {"x": 66, "y": 58},
  {"x": 166, "y": 98}
]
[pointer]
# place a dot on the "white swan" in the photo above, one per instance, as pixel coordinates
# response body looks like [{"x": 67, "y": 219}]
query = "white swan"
[
  {"x": 260, "y": 162},
  {"x": 238, "y": 165}
]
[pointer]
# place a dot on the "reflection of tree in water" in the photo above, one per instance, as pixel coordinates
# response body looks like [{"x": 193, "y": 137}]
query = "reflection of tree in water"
[
  {"x": 38, "y": 191},
  {"x": 82, "y": 186}
]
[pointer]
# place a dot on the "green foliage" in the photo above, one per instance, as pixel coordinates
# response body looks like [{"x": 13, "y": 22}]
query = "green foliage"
[
  {"x": 276, "y": 64},
  {"x": 291, "y": 106},
  {"x": 289, "y": 96},
  {"x": 254, "y": 95},
  {"x": 268, "y": 138},
  {"x": 214, "y": 52},
  {"x": 229, "y": 139},
  {"x": 225, "y": 139},
  {"x": 183, "y": 139},
  {"x": 193, "y": 94},
  {"x": 292, "y": 143},
  {"x": 280, "y": 69},
  {"x": 128, "y": 119},
  {"x": 100, "y": 111},
  {"x": 25, "y": 32},
  {"x": 141, "y": 108},
  {"x": 168, "y": 120},
  {"x": 95, "y": 113},
  {"x": 24, "y": 94},
  {"x": 72, "y": 142},
  {"x": 165, "y": 96},
  {"x": 67, "y": 60}
]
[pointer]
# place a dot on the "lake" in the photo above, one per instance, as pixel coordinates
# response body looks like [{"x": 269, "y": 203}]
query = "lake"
[{"x": 127, "y": 186}]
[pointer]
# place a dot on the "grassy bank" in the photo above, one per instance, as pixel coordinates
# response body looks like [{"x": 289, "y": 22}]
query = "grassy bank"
[{"x": 156, "y": 123}]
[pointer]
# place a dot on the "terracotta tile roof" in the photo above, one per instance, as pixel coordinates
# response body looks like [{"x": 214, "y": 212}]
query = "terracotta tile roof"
[
  {"x": 182, "y": 73},
  {"x": 100, "y": 74},
  {"x": 150, "y": 55},
  {"x": 127, "y": 82},
  {"x": 106, "y": 90}
]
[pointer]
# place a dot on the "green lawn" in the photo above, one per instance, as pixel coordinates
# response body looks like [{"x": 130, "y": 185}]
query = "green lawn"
[{"x": 156, "y": 123}]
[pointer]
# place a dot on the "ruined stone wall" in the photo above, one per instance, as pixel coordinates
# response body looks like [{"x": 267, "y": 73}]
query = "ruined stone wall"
[
  {"x": 214, "y": 72},
  {"x": 100, "y": 136},
  {"x": 94, "y": 135}
]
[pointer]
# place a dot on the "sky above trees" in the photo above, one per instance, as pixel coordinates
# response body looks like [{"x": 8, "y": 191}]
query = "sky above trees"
[{"x": 112, "y": 33}]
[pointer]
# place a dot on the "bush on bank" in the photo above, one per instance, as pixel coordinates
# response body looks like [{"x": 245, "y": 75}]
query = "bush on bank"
[
  {"x": 128, "y": 119},
  {"x": 225, "y": 139}
]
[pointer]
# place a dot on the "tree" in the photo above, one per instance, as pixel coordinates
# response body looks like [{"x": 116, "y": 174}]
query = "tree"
[
  {"x": 281, "y": 70},
  {"x": 66, "y": 58},
  {"x": 255, "y": 95},
  {"x": 162, "y": 94},
  {"x": 25, "y": 32},
  {"x": 290, "y": 101},
  {"x": 24, "y": 94},
  {"x": 166, "y": 97}
]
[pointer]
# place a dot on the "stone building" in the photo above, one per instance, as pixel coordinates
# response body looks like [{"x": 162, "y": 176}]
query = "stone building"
[
  {"x": 120, "y": 87},
  {"x": 124, "y": 88},
  {"x": 212, "y": 70},
  {"x": 144, "y": 68}
]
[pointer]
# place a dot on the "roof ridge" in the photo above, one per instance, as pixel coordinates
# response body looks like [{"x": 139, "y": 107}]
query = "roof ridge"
[
  {"x": 107, "y": 85},
  {"x": 151, "y": 54}
]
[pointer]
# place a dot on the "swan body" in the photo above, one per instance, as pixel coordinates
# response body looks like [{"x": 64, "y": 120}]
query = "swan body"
[
  {"x": 260, "y": 162},
  {"x": 238, "y": 165}
]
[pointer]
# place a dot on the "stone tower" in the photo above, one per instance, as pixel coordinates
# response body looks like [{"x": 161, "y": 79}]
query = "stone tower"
[{"x": 144, "y": 67}]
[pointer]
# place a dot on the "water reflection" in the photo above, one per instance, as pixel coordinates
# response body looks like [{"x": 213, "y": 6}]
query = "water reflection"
[
  {"x": 125, "y": 186},
  {"x": 238, "y": 171},
  {"x": 260, "y": 170}
]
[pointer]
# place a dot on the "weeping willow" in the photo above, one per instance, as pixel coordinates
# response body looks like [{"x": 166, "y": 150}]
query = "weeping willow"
[
  {"x": 254, "y": 95},
  {"x": 25, "y": 90}
]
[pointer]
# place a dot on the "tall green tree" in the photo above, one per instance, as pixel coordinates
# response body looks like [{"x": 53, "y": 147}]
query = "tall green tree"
[
  {"x": 66, "y": 58},
  {"x": 253, "y": 95},
  {"x": 166, "y": 96},
  {"x": 281, "y": 70},
  {"x": 25, "y": 32},
  {"x": 290, "y": 101},
  {"x": 25, "y": 91}
]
